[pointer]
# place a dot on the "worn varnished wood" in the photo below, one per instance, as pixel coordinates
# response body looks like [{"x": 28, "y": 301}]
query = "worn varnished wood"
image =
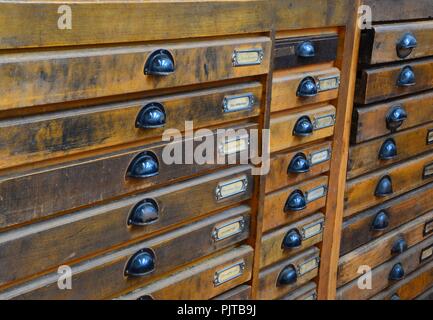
[
  {"x": 272, "y": 249},
  {"x": 196, "y": 281},
  {"x": 269, "y": 289},
  {"x": 360, "y": 192},
  {"x": 51, "y": 135},
  {"x": 274, "y": 203},
  {"x": 380, "y": 43},
  {"x": 364, "y": 157},
  {"x": 35, "y": 78},
  {"x": 378, "y": 251},
  {"x": 174, "y": 249},
  {"x": 242, "y": 292},
  {"x": 94, "y": 22},
  {"x": 285, "y": 85},
  {"x": 98, "y": 229},
  {"x": 276, "y": 179},
  {"x": 392, "y": 10},
  {"x": 427, "y": 295},
  {"x": 282, "y": 125},
  {"x": 89, "y": 181},
  {"x": 410, "y": 261},
  {"x": 370, "y": 122},
  {"x": 380, "y": 83},
  {"x": 411, "y": 287},
  {"x": 307, "y": 292},
  {"x": 357, "y": 229}
]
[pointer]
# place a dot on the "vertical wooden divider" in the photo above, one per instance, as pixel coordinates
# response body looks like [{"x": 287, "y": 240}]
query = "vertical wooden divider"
[{"x": 327, "y": 281}]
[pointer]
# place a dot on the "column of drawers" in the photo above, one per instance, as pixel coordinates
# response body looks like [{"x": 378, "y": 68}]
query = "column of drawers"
[
  {"x": 85, "y": 176},
  {"x": 388, "y": 217}
]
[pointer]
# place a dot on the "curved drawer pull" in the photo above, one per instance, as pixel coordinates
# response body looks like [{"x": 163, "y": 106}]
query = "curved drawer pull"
[
  {"x": 299, "y": 164},
  {"x": 151, "y": 116},
  {"x": 397, "y": 272},
  {"x": 295, "y": 202},
  {"x": 395, "y": 297},
  {"x": 406, "y": 45},
  {"x": 292, "y": 239},
  {"x": 388, "y": 150},
  {"x": 287, "y": 276},
  {"x": 306, "y": 50},
  {"x": 143, "y": 166},
  {"x": 399, "y": 246},
  {"x": 381, "y": 221},
  {"x": 384, "y": 187},
  {"x": 141, "y": 263},
  {"x": 303, "y": 127},
  {"x": 159, "y": 63},
  {"x": 406, "y": 77},
  {"x": 395, "y": 118},
  {"x": 144, "y": 213},
  {"x": 307, "y": 88}
]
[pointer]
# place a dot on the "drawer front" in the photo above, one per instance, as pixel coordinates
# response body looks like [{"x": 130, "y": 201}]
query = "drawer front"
[
  {"x": 87, "y": 181},
  {"x": 373, "y": 223},
  {"x": 383, "y": 185},
  {"x": 294, "y": 52},
  {"x": 411, "y": 287},
  {"x": 390, "y": 82},
  {"x": 29, "y": 79},
  {"x": 286, "y": 276},
  {"x": 165, "y": 252},
  {"x": 389, "y": 10},
  {"x": 285, "y": 242},
  {"x": 282, "y": 128},
  {"x": 202, "y": 280},
  {"x": 289, "y": 89},
  {"x": 384, "y": 248},
  {"x": 108, "y": 26},
  {"x": 285, "y": 171},
  {"x": 397, "y": 41},
  {"x": 375, "y": 121},
  {"x": 428, "y": 295},
  {"x": 390, "y": 273},
  {"x": 37, "y": 138},
  {"x": 378, "y": 153},
  {"x": 307, "y": 292},
  {"x": 98, "y": 229},
  {"x": 240, "y": 293},
  {"x": 277, "y": 212}
]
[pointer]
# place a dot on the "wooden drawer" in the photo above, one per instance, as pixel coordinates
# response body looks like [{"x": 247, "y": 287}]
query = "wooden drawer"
[
  {"x": 390, "y": 272},
  {"x": 381, "y": 83},
  {"x": 428, "y": 295},
  {"x": 282, "y": 127},
  {"x": 239, "y": 293},
  {"x": 397, "y": 41},
  {"x": 305, "y": 50},
  {"x": 200, "y": 280},
  {"x": 275, "y": 212},
  {"x": 318, "y": 160},
  {"x": 411, "y": 287},
  {"x": 359, "y": 230},
  {"x": 307, "y": 292},
  {"x": 303, "y": 267},
  {"x": 51, "y": 135},
  {"x": 361, "y": 192},
  {"x": 371, "y": 122},
  {"x": 373, "y": 155},
  {"x": 392, "y": 10},
  {"x": 169, "y": 251},
  {"x": 28, "y": 195},
  {"x": 286, "y": 86},
  {"x": 100, "y": 228},
  {"x": 384, "y": 248},
  {"x": 36, "y": 78},
  {"x": 108, "y": 26},
  {"x": 283, "y": 243}
]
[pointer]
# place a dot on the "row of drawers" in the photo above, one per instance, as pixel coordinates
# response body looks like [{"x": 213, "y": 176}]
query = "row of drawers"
[{"x": 386, "y": 240}]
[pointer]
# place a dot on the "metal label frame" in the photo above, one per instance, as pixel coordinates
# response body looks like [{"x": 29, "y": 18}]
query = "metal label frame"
[
  {"x": 239, "y": 220},
  {"x": 428, "y": 228},
  {"x": 312, "y": 154},
  {"x": 429, "y": 138},
  {"x": 429, "y": 248},
  {"x": 218, "y": 191},
  {"x": 311, "y": 225},
  {"x": 428, "y": 167},
  {"x": 317, "y": 265},
  {"x": 240, "y": 264},
  {"x": 235, "y": 57},
  {"x": 325, "y": 191},
  {"x": 316, "y": 127},
  {"x": 336, "y": 77},
  {"x": 250, "y": 96}
]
